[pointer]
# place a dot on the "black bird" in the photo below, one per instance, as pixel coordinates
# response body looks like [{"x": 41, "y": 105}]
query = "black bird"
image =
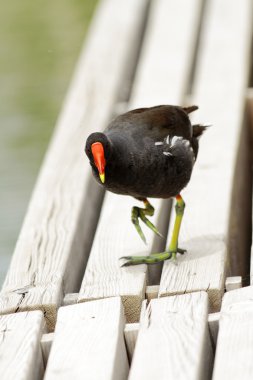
[{"x": 147, "y": 153}]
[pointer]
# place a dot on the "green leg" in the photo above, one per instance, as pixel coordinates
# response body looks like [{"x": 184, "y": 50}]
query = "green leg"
[
  {"x": 141, "y": 213},
  {"x": 173, "y": 247}
]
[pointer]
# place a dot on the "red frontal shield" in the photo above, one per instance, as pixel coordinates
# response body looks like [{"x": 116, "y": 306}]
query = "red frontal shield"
[{"x": 97, "y": 150}]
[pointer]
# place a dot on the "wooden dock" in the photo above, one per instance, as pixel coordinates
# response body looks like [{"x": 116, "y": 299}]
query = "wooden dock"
[{"x": 67, "y": 309}]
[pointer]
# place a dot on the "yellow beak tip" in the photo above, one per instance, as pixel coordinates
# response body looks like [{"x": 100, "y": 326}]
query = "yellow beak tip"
[{"x": 102, "y": 177}]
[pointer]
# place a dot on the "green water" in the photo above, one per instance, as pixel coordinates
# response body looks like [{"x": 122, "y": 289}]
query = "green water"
[{"x": 39, "y": 45}]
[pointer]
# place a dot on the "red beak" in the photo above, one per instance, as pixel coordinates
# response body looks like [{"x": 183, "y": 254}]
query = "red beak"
[{"x": 97, "y": 150}]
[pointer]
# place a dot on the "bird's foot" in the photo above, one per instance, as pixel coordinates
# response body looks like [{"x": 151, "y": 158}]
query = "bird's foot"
[
  {"x": 137, "y": 213},
  {"x": 153, "y": 258}
]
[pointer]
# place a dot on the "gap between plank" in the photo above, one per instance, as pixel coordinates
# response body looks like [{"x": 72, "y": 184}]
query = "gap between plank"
[{"x": 240, "y": 220}]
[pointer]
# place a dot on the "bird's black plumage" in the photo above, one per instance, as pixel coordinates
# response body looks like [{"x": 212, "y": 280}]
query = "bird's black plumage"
[{"x": 149, "y": 152}]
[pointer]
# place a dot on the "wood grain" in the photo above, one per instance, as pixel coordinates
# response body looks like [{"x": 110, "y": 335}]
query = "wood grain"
[
  {"x": 46, "y": 344},
  {"x": 173, "y": 340},
  {"x": 233, "y": 359},
  {"x": 233, "y": 283},
  {"x": 213, "y": 325},
  {"x": 131, "y": 332},
  {"x": 220, "y": 81},
  {"x": 20, "y": 352},
  {"x": 89, "y": 342},
  {"x": 161, "y": 77},
  {"x": 70, "y": 299},
  {"x": 151, "y": 292},
  {"x": 237, "y": 297},
  {"x": 52, "y": 249},
  {"x": 249, "y": 104}
]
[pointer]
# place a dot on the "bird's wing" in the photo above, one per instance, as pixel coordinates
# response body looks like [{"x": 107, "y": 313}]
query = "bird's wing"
[{"x": 156, "y": 121}]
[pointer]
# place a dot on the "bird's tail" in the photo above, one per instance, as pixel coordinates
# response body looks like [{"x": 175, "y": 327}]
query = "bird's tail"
[
  {"x": 190, "y": 109},
  {"x": 198, "y": 129}
]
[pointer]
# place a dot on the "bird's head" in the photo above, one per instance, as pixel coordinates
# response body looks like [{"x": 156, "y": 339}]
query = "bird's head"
[{"x": 98, "y": 149}]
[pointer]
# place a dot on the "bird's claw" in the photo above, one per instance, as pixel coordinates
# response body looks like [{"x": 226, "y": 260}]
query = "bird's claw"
[
  {"x": 132, "y": 260},
  {"x": 181, "y": 251}
]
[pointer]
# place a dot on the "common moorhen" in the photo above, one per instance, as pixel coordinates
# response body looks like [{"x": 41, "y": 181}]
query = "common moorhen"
[{"x": 147, "y": 153}]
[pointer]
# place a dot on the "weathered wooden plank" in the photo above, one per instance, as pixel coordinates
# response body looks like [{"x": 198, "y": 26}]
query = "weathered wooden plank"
[
  {"x": 213, "y": 325},
  {"x": 70, "y": 299},
  {"x": 166, "y": 69},
  {"x": 89, "y": 342},
  {"x": 173, "y": 340},
  {"x": 144, "y": 305},
  {"x": 151, "y": 292},
  {"x": 233, "y": 283},
  {"x": 53, "y": 246},
  {"x": 167, "y": 53},
  {"x": 236, "y": 297},
  {"x": 20, "y": 353},
  {"x": 46, "y": 344},
  {"x": 131, "y": 332},
  {"x": 249, "y": 103},
  {"x": 220, "y": 82},
  {"x": 234, "y": 350}
]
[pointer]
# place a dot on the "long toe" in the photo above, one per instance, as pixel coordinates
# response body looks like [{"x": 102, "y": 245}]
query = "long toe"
[
  {"x": 152, "y": 259},
  {"x": 135, "y": 221},
  {"x": 149, "y": 224}
]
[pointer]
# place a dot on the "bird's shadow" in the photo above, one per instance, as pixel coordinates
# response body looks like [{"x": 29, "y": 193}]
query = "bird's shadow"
[{"x": 202, "y": 246}]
